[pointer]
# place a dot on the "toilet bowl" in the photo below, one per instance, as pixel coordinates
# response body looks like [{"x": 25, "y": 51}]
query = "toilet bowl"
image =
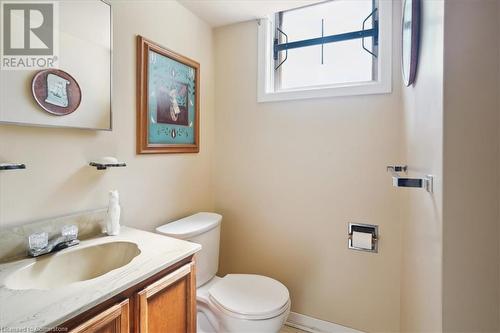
[{"x": 235, "y": 302}]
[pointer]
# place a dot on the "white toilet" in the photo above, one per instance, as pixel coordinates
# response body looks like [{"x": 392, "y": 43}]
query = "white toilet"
[{"x": 235, "y": 302}]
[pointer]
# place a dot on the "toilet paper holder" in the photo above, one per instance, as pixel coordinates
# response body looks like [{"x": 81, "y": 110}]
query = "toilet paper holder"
[{"x": 363, "y": 228}]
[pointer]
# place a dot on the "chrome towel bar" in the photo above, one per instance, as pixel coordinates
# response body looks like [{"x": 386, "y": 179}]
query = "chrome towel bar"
[
  {"x": 12, "y": 166},
  {"x": 425, "y": 182}
]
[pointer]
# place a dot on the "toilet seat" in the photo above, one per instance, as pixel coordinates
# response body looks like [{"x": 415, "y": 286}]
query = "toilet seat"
[{"x": 248, "y": 296}]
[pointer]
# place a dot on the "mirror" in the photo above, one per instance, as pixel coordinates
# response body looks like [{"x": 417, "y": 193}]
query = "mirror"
[
  {"x": 410, "y": 40},
  {"x": 76, "y": 91}
]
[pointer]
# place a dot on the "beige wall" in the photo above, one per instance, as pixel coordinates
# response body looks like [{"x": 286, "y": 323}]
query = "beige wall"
[
  {"x": 289, "y": 176},
  {"x": 450, "y": 267},
  {"x": 421, "y": 301},
  {"x": 153, "y": 189},
  {"x": 471, "y": 166}
]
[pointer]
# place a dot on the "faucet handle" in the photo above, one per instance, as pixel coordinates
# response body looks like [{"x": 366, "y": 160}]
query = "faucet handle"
[
  {"x": 70, "y": 232},
  {"x": 38, "y": 241}
]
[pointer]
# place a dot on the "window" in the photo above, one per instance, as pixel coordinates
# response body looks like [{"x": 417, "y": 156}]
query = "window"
[{"x": 333, "y": 48}]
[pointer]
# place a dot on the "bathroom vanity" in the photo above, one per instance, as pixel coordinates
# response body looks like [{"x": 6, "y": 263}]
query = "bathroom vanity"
[
  {"x": 164, "y": 303},
  {"x": 135, "y": 282}
]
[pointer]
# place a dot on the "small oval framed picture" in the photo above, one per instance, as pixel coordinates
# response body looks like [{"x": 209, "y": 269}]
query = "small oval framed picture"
[
  {"x": 410, "y": 40},
  {"x": 56, "y": 92}
]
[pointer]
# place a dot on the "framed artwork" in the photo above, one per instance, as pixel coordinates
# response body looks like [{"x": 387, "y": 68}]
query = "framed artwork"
[{"x": 168, "y": 100}]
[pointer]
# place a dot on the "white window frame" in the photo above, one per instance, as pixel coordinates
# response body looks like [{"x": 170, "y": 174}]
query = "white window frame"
[{"x": 266, "y": 91}]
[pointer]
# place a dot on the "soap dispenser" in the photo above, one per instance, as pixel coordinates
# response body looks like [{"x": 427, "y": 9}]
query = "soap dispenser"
[{"x": 113, "y": 214}]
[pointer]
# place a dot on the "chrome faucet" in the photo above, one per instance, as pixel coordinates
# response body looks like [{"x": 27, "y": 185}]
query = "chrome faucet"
[{"x": 39, "y": 243}]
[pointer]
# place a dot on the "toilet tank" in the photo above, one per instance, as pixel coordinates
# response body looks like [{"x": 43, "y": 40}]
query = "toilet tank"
[{"x": 204, "y": 229}]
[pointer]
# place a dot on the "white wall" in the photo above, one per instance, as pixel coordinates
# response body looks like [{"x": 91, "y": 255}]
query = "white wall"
[
  {"x": 290, "y": 176},
  {"x": 154, "y": 189},
  {"x": 421, "y": 284},
  {"x": 471, "y": 165}
]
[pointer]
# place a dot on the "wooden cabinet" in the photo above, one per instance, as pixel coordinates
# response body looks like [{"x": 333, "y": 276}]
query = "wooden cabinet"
[
  {"x": 113, "y": 320},
  {"x": 163, "y": 303},
  {"x": 166, "y": 305}
]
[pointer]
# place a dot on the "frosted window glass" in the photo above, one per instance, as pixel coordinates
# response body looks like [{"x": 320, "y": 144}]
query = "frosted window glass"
[{"x": 343, "y": 62}]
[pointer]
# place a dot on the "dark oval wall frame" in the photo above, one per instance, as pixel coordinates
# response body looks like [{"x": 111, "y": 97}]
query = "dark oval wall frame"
[
  {"x": 39, "y": 91},
  {"x": 409, "y": 70}
]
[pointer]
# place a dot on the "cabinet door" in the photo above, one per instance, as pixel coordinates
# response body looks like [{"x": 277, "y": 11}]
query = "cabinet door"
[
  {"x": 169, "y": 304},
  {"x": 113, "y": 320}
]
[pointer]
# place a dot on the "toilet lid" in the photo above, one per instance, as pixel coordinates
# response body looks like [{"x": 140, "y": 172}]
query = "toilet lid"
[{"x": 250, "y": 296}]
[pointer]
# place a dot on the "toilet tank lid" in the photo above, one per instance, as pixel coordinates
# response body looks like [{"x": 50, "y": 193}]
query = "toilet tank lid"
[{"x": 191, "y": 226}]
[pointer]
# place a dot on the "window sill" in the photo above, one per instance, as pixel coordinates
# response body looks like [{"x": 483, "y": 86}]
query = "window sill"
[{"x": 363, "y": 88}]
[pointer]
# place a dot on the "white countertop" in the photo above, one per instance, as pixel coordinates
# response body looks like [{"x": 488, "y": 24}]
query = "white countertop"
[{"x": 41, "y": 309}]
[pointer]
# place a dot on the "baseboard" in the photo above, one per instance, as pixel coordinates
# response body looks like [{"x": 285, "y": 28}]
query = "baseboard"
[{"x": 313, "y": 325}]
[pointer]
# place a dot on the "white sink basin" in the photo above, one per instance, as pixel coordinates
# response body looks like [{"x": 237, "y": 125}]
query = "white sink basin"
[{"x": 72, "y": 266}]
